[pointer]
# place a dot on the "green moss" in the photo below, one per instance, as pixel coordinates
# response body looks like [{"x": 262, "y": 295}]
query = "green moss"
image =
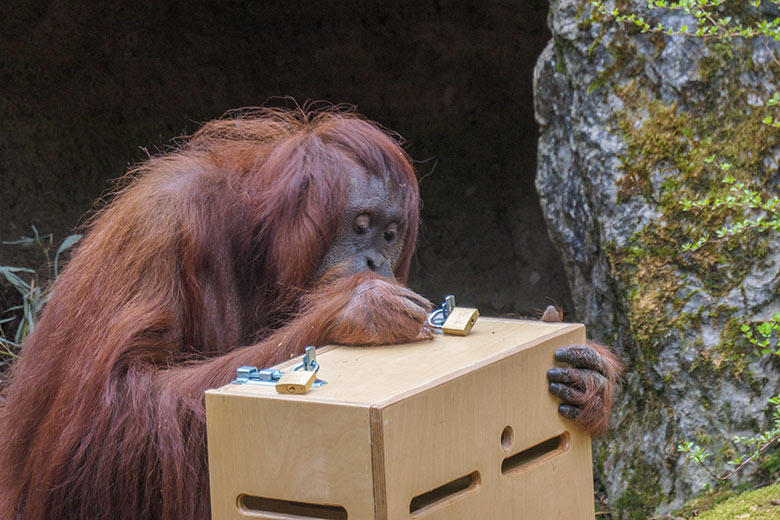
[
  {"x": 734, "y": 350},
  {"x": 726, "y": 452},
  {"x": 704, "y": 502},
  {"x": 560, "y": 60},
  {"x": 657, "y": 144},
  {"x": 652, "y": 285},
  {"x": 659, "y": 42},
  {"x": 625, "y": 62},
  {"x": 759, "y": 504},
  {"x": 720, "y": 52},
  {"x": 601, "y": 452},
  {"x": 731, "y": 503},
  {"x": 671, "y": 143},
  {"x": 642, "y": 494},
  {"x": 769, "y": 466}
]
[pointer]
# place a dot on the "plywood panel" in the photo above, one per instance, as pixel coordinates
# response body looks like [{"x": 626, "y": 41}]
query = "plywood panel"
[
  {"x": 454, "y": 429},
  {"x": 309, "y": 452},
  {"x": 375, "y": 375}
]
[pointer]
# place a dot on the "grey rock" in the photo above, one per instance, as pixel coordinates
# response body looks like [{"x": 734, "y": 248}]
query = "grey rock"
[{"x": 593, "y": 83}]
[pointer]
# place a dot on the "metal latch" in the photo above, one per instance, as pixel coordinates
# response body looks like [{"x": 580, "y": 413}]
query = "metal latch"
[{"x": 270, "y": 377}]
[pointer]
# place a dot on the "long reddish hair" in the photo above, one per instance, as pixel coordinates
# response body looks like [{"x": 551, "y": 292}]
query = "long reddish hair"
[{"x": 201, "y": 248}]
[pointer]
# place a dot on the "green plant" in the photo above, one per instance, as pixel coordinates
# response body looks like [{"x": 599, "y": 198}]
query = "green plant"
[
  {"x": 33, "y": 290},
  {"x": 752, "y": 210},
  {"x": 708, "y": 22},
  {"x": 764, "y": 334},
  {"x": 756, "y": 445}
]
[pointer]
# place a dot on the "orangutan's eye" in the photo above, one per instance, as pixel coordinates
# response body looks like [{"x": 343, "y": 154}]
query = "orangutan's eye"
[
  {"x": 391, "y": 232},
  {"x": 362, "y": 223}
]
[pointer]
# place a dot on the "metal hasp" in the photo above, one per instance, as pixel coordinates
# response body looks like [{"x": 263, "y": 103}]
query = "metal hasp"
[
  {"x": 269, "y": 377},
  {"x": 437, "y": 318},
  {"x": 309, "y": 360},
  {"x": 448, "y": 305}
]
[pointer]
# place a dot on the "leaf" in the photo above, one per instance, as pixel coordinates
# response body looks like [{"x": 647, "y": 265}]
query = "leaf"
[
  {"x": 27, "y": 241},
  {"x": 8, "y": 343},
  {"x": 20, "y": 285},
  {"x": 69, "y": 242},
  {"x": 685, "y": 446}
]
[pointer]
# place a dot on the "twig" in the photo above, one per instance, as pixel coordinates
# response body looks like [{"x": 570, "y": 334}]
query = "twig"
[{"x": 738, "y": 468}]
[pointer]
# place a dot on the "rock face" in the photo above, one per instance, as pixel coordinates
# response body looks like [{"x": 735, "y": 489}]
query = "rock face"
[{"x": 630, "y": 123}]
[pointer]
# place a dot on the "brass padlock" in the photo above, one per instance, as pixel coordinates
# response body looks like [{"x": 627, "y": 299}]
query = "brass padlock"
[
  {"x": 296, "y": 382},
  {"x": 460, "y": 321}
]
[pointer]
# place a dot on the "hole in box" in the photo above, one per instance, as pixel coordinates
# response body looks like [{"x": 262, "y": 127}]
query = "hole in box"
[
  {"x": 535, "y": 455},
  {"x": 445, "y": 494},
  {"x": 507, "y": 438},
  {"x": 288, "y": 509}
]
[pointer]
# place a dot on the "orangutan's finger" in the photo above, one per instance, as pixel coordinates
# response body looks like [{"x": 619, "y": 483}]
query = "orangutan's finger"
[{"x": 581, "y": 356}]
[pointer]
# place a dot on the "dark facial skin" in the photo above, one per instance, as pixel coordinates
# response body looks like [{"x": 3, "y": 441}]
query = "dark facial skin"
[{"x": 372, "y": 234}]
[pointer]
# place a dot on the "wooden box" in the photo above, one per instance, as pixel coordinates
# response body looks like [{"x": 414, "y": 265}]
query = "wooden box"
[{"x": 457, "y": 428}]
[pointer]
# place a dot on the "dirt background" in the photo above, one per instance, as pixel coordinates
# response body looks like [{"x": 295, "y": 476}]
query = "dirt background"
[{"x": 88, "y": 89}]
